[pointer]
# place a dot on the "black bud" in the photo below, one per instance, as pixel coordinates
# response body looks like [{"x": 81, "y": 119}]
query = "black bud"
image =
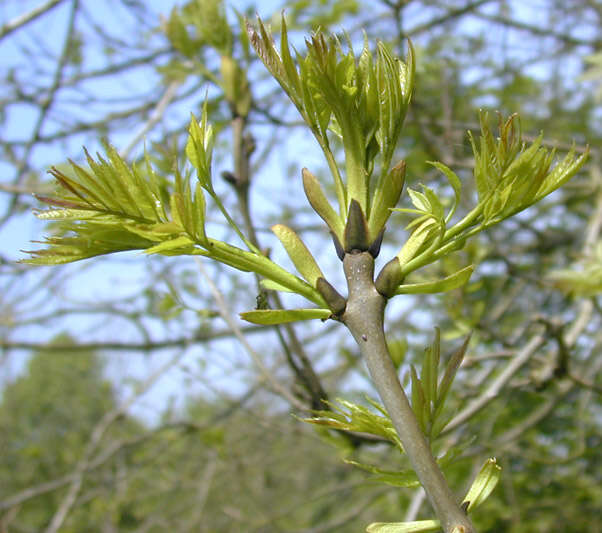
[
  {"x": 356, "y": 229},
  {"x": 338, "y": 246},
  {"x": 375, "y": 246},
  {"x": 336, "y": 303},
  {"x": 389, "y": 278}
]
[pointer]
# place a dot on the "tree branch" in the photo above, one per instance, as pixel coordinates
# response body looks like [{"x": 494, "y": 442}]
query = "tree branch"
[
  {"x": 364, "y": 318},
  {"x": 25, "y": 18}
]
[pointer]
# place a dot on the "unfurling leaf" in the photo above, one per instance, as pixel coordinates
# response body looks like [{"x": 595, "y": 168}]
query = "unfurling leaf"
[
  {"x": 453, "y": 281},
  {"x": 511, "y": 176},
  {"x": 349, "y": 416},
  {"x": 199, "y": 148},
  {"x": 321, "y": 205},
  {"x": 281, "y": 316},
  {"x": 403, "y": 478},
  {"x": 416, "y": 241},
  {"x": 583, "y": 278},
  {"x": 448, "y": 376},
  {"x": 300, "y": 256},
  {"x": 210, "y": 19},
  {"x": 454, "y": 181},
  {"x": 420, "y": 526},
  {"x": 397, "y": 350},
  {"x": 483, "y": 485},
  {"x": 386, "y": 196},
  {"x": 236, "y": 86}
]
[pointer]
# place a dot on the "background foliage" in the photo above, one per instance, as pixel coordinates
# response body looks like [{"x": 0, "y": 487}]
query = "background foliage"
[{"x": 134, "y": 400}]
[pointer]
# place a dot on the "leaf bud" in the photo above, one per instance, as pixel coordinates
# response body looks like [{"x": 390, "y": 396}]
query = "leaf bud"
[
  {"x": 336, "y": 303},
  {"x": 356, "y": 229},
  {"x": 389, "y": 278},
  {"x": 374, "y": 248}
]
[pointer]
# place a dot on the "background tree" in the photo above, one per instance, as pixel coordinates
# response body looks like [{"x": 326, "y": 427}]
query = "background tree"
[{"x": 533, "y": 358}]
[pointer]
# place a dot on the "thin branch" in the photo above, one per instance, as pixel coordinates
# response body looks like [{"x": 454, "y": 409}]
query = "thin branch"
[
  {"x": 243, "y": 147},
  {"x": 494, "y": 389},
  {"x": 446, "y": 17},
  {"x": 541, "y": 30},
  {"x": 225, "y": 313},
  {"x": 154, "y": 118},
  {"x": 199, "y": 337},
  {"x": 26, "y": 18},
  {"x": 44, "y": 108}
]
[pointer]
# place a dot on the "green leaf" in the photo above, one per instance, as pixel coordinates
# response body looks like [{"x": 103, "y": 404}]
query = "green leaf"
[
  {"x": 454, "y": 181},
  {"x": 511, "y": 176},
  {"x": 385, "y": 197},
  {"x": 583, "y": 278},
  {"x": 199, "y": 148},
  {"x": 349, "y": 416},
  {"x": 420, "y": 526},
  {"x": 403, "y": 478},
  {"x": 483, "y": 485},
  {"x": 281, "y": 316},
  {"x": 435, "y": 206},
  {"x": 262, "y": 265},
  {"x": 321, "y": 205},
  {"x": 448, "y": 377},
  {"x": 178, "y": 246},
  {"x": 264, "y": 47},
  {"x": 428, "y": 374},
  {"x": 397, "y": 349},
  {"x": 210, "y": 19},
  {"x": 453, "y": 281},
  {"x": 419, "y": 405},
  {"x": 63, "y": 214},
  {"x": 300, "y": 256},
  {"x": 292, "y": 76},
  {"x": 85, "y": 239},
  {"x": 416, "y": 241},
  {"x": 273, "y": 286},
  {"x": 178, "y": 35},
  {"x": 419, "y": 200}
]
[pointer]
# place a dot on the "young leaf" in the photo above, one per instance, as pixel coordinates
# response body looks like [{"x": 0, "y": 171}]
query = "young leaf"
[
  {"x": 178, "y": 246},
  {"x": 453, "y": 281},
  {"x": 483, "y": 484},
  {"x": 403, "y": 478},
  {"x": 281, "y": 316},
  {"x": 199, "y": 148},
  {"x": 349, "y": 416},
  {"x": 300, "y": 256},
  {"x": 321, "y": 205},
  {"x": 416, "y": 241},
  {"x": 385, "y": 198},
  {"x": 420, "y": 526},
  {"x": 262, "y": 265},
  {"x": 448, "y": 377},
  {"x": 419, "y": 405},
  {"x": 273, "y": 286},
  {"x": 454, "y": 181}
]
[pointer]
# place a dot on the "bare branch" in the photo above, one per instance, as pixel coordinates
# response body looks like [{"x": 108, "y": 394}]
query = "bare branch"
[{"x": 25, "y": 18}]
